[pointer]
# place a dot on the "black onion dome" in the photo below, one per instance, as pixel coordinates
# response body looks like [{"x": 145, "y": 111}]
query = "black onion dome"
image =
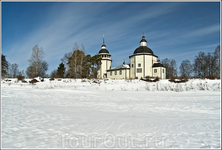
[
  {"x": 103, "y": 51},
  {"x": 143, "y": 49}
]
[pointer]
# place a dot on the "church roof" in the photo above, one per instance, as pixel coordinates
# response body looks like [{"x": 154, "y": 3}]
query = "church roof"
[
  {"x": 157, "y": 65},
  {"x": 143, "y": 40},
  {"x": 103, "y": 51},
  {"x": 119, "y": 67},
  {"x": 143, "y": 49}
]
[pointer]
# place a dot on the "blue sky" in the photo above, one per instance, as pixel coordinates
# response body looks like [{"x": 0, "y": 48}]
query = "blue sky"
[{"x": 174, "y": 30}]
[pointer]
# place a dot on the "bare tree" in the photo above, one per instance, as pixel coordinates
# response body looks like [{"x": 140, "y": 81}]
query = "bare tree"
[
  {"x": 166, "y": 64},
  {"x": 217, "y": 60},
  {"x": 53, "y": 74},
  {"x": 200, "y": 65},
  {"x": 171, "y": 68},
  {"x": 186, "y": 68},
  {"x": 207, "y": 64},
  {"x": 82, "y": 60},
  {"x": 21, "y": 73},
  {"x": 39, "y": 66},
  {"x": 13, "y": 70},
  {"x": 30, "y": 72}
]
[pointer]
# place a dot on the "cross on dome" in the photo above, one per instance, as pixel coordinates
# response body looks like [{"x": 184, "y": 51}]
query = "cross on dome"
[{"x": 103, "y": 46}]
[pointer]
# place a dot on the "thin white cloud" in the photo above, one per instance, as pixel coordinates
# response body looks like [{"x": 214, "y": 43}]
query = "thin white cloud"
[{"x": 203, "y": 31}]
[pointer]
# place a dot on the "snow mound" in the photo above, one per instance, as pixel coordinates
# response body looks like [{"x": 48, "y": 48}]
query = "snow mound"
[{"x": 123, "y": 85}]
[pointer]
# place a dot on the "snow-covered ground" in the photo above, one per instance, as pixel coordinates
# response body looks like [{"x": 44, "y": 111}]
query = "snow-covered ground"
[{"x": 114, "y": 113}]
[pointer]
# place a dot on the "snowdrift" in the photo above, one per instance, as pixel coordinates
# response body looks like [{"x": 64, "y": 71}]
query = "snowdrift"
[
  {"x": 110, "y": 114},
  {"x": 120, "y": 85}
]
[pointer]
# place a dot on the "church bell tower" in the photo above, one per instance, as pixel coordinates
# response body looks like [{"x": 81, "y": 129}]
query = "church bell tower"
[{"x": 105, "y": 61}]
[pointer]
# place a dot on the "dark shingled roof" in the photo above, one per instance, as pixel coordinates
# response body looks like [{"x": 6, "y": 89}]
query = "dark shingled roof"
[
  {"x": 143, "y": 40},
  {"x": 143, "y": 49},
  {"x": 157, "y": 65},
  {"x": 103, "y": 51}
]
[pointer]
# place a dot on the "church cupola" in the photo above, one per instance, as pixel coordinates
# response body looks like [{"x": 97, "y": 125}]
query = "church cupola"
[
  {"x": 143, "y": 47},
  {"x": 143, "y": 42},
  {"x": 104, "y": 50}
]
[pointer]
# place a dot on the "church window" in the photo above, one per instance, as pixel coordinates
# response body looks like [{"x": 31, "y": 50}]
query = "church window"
[
  {"x": 110, "y": 73},
  {"x": 155, "y": 70},
  {"x": 132, "y": 65},
  {"x": 120, "y": 72},
  {"x": 163, "y": 70},
  {"x": 139, "y": 65},
  {"x": 105, "y": 55},
  {"x": 115, "y": 72},
  {"x": 139, "y": 70}
]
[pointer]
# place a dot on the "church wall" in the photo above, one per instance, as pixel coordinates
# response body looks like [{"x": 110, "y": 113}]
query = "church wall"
[
  {"x": 157, "y": 74},
  {"x": 148, "y": 65},
  {"x": 124, "y": 75},
  {"x": 147, "y": 70},
  {"x": 160, "y": 73},
  {"x": 98, "y": 74},
  {"x": 132, "y": 69},
  {"x": 154, "y": 60},
  {"x": 139, "y": 60},
  {"x": 108, "y": 64},
  {"x": 127, "y": 74},
  {"x": 103, "y": 67},
  {"x": 164, "y": 73}
]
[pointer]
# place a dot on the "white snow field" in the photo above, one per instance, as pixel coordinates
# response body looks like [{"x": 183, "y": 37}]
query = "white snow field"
[{"x": 113, "y": 114}]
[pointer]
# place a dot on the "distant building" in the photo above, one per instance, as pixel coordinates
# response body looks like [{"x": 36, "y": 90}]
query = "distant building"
[{"x": 143, "y": 63}]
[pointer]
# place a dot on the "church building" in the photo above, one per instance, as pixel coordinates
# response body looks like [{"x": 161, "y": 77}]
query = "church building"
[{"x": 143, "y": 63}]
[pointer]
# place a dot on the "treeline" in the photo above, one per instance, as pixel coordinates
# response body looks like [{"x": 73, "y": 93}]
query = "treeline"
[
  {"x": 78, "y": 64},
  {"x": 37, "y": 65},
  {"x": 75, "y": 64},
  {"x": 10, "y": 70},
  {"x": 204, "y": 65}
]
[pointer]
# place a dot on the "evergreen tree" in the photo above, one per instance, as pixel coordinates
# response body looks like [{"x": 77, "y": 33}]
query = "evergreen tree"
[
  {"x": 4, "y": 66},
  {"x": 61, "y": 70},
  {"x": 95, "y": 65}
]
